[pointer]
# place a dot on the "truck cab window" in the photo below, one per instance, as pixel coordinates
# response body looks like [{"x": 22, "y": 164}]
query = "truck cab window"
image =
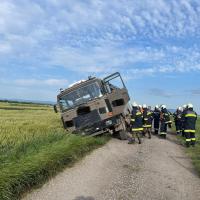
[{"x": 113, "y": 82}]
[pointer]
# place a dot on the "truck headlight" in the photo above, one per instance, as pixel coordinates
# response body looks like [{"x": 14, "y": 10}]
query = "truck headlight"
[{"x": 108, "y": 122}]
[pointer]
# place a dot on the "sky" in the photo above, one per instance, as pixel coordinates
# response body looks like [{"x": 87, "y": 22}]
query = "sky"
[{"x": 49, "y": 44}]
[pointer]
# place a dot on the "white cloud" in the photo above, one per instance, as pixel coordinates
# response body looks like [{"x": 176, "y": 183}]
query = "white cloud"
[
  {"x": 100, "y": 36},
  {"x": 97, "y": 20},
  {"x": 36, "y": 82},
  {"x": 107, "y": 57},
  {"x": 161, "y": 93},
  {"x": 5, "y": 48}
]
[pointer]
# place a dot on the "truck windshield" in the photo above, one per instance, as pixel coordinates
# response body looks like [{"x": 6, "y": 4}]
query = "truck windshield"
[{"x": 80, "y": 96}]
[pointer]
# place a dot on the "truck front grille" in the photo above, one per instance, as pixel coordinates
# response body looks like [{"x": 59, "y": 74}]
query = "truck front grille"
[{"x": 86, "y": 120}]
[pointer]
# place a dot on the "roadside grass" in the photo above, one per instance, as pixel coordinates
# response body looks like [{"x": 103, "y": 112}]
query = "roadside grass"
[
  {"x": 194, "y": 152},
  {"x": 34, "y": 147}
]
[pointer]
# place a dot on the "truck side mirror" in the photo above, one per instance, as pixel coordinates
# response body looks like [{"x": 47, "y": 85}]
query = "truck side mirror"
[{"x": 55, "y": 108}]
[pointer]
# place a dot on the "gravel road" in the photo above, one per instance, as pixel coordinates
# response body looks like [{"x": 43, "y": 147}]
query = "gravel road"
[{"x": 156, "y": 170}]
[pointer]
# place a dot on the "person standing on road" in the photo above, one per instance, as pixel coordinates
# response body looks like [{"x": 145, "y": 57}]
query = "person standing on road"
[
  {"x": 164, "y": 119},
  {"x": 156, "y": 119},
  {"x": 178, "y": 120},
  {"x": 136, "y": 124},
  {"x": 147, "y": 120},
  {"x": 190, "y": 117}
]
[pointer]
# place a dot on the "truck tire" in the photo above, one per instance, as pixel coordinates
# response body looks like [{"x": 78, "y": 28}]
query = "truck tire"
[{"x": 123, "y": 132}]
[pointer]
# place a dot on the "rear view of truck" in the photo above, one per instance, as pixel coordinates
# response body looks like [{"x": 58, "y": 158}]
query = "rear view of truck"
[{"x": 95, "y": 106}]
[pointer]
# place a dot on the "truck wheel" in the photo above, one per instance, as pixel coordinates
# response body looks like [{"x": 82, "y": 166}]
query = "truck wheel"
[{"x": 123, "y": 132}]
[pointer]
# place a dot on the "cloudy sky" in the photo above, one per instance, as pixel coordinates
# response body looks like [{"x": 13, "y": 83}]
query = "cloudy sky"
[{"x": 48, "y": 44}]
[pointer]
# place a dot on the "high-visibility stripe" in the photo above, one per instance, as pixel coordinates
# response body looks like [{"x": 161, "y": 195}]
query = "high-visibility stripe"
[
  {"x": 137, "y": 129},
  {"x": 138, "y": 113},
  {"x": 163, "y": 133},
  {"x": 188, "y": 140},
  {"x": 132, "y": 120},
  {"x": 193, "y": 139},
  {"x": 145, "y": 118},
  {"x": 147, "y": 126},
  {"x": 189, "y": 131},
  {"x": 190, "y": 115}
]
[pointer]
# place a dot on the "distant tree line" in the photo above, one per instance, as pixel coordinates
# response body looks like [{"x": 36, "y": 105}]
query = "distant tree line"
[{"x": 24, "y": 102}]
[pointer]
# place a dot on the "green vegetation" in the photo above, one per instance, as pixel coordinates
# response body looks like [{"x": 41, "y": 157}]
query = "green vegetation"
[
  {"x": 34, "y": 146},
  {"x": 194, "y": 153}
]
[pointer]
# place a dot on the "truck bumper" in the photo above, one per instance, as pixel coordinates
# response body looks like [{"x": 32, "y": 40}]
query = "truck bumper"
[{"x": 98, "y": 127}]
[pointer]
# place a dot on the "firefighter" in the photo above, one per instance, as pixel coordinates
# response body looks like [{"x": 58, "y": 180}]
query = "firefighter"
[
  {"x": 140, "y": 107},
  {"x": 147, "y": 120},
  {"x": 169, "y": 123},
  {"x": 190, "y": 117},
  {"x": 178, "y": 120},
  {"x": 183, "y": 118},
  {"x": 156, "y": 119},
  {"x": 136, "y": 124},
  {"x": 164, "y": 119}
]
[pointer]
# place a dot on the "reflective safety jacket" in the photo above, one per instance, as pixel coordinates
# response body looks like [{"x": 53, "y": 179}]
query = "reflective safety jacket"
[
  {"x": 183, "y": 118},
  {"x": 156, "y": 117},
  {"x": 177, "y": 116},
  {"x": 136, "y": 120},
  {"x": 165, "y": 116},
  {"x": 178, "y": 120},
  {"x": 147, "y": 118},
  {"x": 190, "y": 118}
]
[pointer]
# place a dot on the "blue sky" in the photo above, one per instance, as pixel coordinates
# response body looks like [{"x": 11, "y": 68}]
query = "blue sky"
[{"x": 48, "y": 44}]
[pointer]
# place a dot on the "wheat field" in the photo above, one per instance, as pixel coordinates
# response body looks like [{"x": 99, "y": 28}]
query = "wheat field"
[{"x": 34, "y": 146}]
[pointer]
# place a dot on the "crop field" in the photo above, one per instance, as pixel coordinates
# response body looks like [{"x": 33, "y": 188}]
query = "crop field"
[{"x": 34, "y": 146}]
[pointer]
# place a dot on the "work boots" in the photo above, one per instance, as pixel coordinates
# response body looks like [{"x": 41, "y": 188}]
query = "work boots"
[
  {"x": 131, "y": 140},
  {"x": 187, "y": 144},
  {"x": 149, "y": 133}
]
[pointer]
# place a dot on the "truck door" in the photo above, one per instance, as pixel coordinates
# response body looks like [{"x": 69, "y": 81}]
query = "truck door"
[{"x": 117, "y": 93}]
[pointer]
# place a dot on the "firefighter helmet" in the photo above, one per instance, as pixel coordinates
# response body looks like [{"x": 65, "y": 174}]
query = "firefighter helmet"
[
  {"x": 190, "y": 105},
  {"x": 184, "y": 106},
  {"x": 134, "y": 104},
  {"x": 163, "y": 106},
  {"x": 144, "y": 106},
  {"x": 180, "y": 108}
]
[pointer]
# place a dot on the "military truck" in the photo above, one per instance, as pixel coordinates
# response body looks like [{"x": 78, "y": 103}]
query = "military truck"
[{"x": 95, "y": 106}]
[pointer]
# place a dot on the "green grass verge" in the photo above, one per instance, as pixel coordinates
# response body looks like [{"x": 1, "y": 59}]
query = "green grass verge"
[
  {"x": 194, "y": 152},
  {"x": 34, "y": 147}
]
